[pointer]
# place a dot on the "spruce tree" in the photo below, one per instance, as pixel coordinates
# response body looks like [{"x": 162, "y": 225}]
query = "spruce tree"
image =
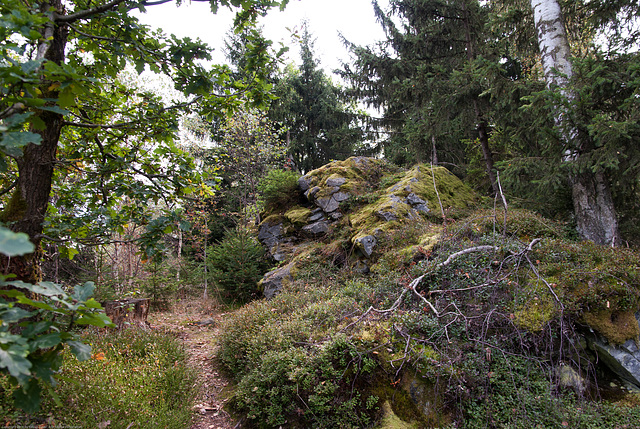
[{"x": 321, "y": 126}]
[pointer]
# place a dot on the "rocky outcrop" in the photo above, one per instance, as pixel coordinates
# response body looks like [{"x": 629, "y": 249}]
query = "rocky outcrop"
[
  {"x": 273, "y": 281},
  {"x": 270, "y": 233},
  {"x": 623, "y": 360},
  {"x": 366, "y": 244},
  {"x": 337, "y": 190}
]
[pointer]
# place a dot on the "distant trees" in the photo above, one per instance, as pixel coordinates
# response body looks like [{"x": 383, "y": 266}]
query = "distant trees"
[
  {"x": 320, "y": 124},
  {"x": 429, "y": 78}
]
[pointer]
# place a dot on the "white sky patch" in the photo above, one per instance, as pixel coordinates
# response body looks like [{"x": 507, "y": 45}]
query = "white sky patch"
[{"x": 327, "y": 18}]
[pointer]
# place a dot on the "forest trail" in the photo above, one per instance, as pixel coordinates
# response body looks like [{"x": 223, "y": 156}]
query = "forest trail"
[{"x": 200, "y": 342}]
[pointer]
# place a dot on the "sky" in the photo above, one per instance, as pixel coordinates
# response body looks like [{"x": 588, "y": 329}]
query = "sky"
[{"x": 354, "y": 19}]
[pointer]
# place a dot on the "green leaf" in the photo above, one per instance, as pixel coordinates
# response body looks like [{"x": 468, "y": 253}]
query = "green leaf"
[
  {"x": 14, "y": 359},
  {"x": 92, "y": 303},
  {"x": 80, "y": 350},
  {"x": 14, "y": 314},
  {"x": 46, "y": 341},
  {"x": 55, "y": 109},
  {"x": 67, "y": 98},
  {"x": 99, "y": 320},
  {"x": 22, "y": 299},
  {"x": 34, "y": 329},
  {"x": 68, "y": 252},
  {"x": 28, "y": 398},
  {"x": 42, "y": 288},
  {"x": 14, "y": 243},
  {"x": 84, "y": 292},
  {"x": 14, "y": 140}
]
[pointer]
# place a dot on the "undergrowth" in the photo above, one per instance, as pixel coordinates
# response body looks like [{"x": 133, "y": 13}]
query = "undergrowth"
[
  {"x": 135, "y": 379},
  {"x": 479, "y": 343}
]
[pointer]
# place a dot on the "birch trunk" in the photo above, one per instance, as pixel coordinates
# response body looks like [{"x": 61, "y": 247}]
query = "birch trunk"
[{"x": 592, "y": 202}]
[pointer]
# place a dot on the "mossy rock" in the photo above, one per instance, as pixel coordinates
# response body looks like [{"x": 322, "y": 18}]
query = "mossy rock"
[
  {"x": 391, "y": 421},
  {"x": 616, "y": 326},
  {"x": 298, "y": 216},
  {"x": 451, "y": 191},
  {"x": 359, "y": 173}
]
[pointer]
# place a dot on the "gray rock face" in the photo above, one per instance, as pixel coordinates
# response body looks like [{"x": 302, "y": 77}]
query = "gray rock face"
[
  {"x": 386, "y": 216},
  {"x": 417, "y": 203},
  {"x": 305, "y": 183},
  {"x": 272, "y": 281},
  {"x": 341, "y": 196},
  {"x": 320, "y": 227},
  {"x": 269, "y": 234},
  {"x": 316, "y": 215},
  {"x": 366, "y": 244},
  {"x": 328, "y": 204},
  {"x": 311, "y": 192},
  {"x": 415, "y": 200},
  {"x": 623, "y": 360},
  {"x": 335, "y": 215},
  {"x": 336, "y": 181}
]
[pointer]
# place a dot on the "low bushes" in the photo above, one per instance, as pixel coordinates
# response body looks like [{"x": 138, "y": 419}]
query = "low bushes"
[{"x": 134, "y": 379}]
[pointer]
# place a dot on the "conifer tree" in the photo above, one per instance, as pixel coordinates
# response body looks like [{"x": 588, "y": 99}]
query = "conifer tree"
[
  {"x": 320, "y": 125},
  {"x": 428, "y": 77}
]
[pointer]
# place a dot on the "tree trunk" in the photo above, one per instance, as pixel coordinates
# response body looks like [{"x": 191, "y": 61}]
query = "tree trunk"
[
  {"x": 128, "y": 312},
  {"x": 35, "y": 166},
  {"x": 595, "y": 213},
  {"x": 483, "y": 132},
  {"x": 592, "y": 202}
]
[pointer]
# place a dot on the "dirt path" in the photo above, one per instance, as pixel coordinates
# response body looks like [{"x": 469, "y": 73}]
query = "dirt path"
[{"x": 200, "y": 340}]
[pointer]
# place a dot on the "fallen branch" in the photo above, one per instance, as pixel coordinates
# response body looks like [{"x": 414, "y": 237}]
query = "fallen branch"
[{"x": 464, "y": 252}]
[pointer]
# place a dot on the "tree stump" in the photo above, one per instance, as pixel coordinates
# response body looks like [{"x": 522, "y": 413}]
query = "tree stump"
[{"x": 128, "y": 312}]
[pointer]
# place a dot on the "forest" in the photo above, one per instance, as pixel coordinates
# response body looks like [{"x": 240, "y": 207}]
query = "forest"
[{"x": 467, "y": 186}]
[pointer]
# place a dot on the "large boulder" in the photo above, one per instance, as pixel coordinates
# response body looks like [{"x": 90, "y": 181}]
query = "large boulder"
[{"x": 274, "y": 280}]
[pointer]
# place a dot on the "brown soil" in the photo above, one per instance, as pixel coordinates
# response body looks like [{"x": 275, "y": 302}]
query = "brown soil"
[{"x": 200, "y": 341}]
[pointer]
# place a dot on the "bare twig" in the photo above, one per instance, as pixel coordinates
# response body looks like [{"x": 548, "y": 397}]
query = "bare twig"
[
  {"x": 9, "y": 188},
  {"x": 535, "y": 271},
  {"x": 87, "y": 13},
  {"x": 504, "y": 203}
]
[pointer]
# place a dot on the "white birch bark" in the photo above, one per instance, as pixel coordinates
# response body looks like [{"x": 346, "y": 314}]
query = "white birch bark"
[
  {"x": 593, "y": 205},
  {"x": 553, "y": 42},
  {"x": 555, "y": 54}
]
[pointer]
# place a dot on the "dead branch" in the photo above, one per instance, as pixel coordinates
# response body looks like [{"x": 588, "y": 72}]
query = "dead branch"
[{"x": 464, "y": 252}]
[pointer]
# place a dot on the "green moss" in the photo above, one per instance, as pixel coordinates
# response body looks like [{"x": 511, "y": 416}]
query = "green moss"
[
  {"x": 298, "y": 216},
  {"x": 391, "y": 421},
  {"x": 273, "y": 219},
  {"x": 15, "y": 209},
  {"x": 616, "y": 326},
  {"x": 524, "y": 224},
  {"x": 535, "y": 314},
  {"x": 413, "y": 402},
  {"x": 453, "y": 193}
]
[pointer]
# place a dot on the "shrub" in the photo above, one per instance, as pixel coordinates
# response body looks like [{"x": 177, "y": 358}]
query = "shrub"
[
  {"x": 279, "y": 188},
  {"x": 312, "y": 387},
  {"x": 237, "y": 264}
]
